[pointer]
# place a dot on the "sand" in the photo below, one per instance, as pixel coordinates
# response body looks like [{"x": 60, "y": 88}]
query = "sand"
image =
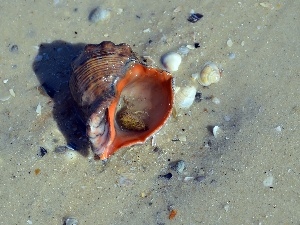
[{"x": 249, "y": 173}]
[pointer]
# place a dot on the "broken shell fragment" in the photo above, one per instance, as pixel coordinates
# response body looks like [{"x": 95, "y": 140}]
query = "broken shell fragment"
[
  {"x": 171, "y": 61},
  {"x": 123, "y": 101},
  {"x": 185, "y": 96},
  {"x": 209, "y": 74}
]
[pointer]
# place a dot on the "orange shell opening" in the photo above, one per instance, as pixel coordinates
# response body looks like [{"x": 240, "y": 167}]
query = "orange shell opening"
[{"x": 150, "y": 90}]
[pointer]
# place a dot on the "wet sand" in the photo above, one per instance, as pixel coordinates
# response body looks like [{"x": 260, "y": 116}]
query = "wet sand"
[{"x": 248, "y": 174}]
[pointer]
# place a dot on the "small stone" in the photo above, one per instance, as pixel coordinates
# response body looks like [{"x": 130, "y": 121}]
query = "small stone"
[
  {"x": 227, "y": 118},
  {"x": 61, "y": 149},
  {"x": 278, "y": 129},
  {"x": 14, "y": 49},
  {"x": 38, "y": 109},
  {"x": 12, "y": 93},
  {"x": 71, "y": 221},
  {"x": 198, "y": 97},
  {"x": 43, "y": 152},
  {"x": 98, "y": 14},
  {"x": 229, "y": 43},
  {"x": 231, "y": 55},
  {"x": 177, "y": 166},
  {"x": 216, "y": 100},
  {"x": 182, "y": 138},
  {"x": 216, "y": 131},
  {"x": 194, "y": 17},
  {"x": 188, "y": 178},
  {"x": 268, "y": 182},
  {"x": 197, "y": 45},
  {"x": 199, "y": 178},
  {"x": 167, "y": 176}
]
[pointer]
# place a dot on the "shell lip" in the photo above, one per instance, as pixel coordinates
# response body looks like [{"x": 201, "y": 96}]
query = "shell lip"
[{"x": 163, "y": 99}]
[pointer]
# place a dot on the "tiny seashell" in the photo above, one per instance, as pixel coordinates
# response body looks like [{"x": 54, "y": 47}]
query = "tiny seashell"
[
  {"x": 171, "y": 61},
  {"x": 185, "y": 96},
  {"x": 209, "y": 74}
]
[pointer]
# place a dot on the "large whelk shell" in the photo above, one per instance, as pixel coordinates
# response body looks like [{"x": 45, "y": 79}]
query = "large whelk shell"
[{"x": 124, "y": 101}]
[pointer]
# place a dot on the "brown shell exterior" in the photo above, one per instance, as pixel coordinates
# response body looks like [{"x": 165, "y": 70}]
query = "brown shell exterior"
[{"x": 96, "y": 70}]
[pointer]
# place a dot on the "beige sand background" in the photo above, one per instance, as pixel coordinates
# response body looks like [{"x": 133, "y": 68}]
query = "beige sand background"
[{"x": 259, "y": 92}]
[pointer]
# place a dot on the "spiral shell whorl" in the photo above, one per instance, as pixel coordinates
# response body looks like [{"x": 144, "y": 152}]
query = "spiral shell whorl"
[{"x": 96, "y": 71}]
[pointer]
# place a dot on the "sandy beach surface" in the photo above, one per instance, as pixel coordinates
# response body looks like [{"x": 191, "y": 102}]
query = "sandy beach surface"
[{"x": 248, "y": 174}]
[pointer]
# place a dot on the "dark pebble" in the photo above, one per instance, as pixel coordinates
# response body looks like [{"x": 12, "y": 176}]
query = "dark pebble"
[
  {"x": 61, "y": 149},
  {"x": 199, "y": 178},
  {"x": 43, "y": 151},
  {"x": 178, "y": 165},
  {"x": 14, "y": 49},
  {"x": 167, "y": 176},
  {"x": 198, "y": 97},
  {"x": 197, "y": 45},
  {"x": 194, "y": 17}
]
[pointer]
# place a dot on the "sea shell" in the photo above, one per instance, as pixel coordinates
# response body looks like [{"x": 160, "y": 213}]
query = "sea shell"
[
  {"x": 185, "y": 96},
  {"x": 171, "y": 61},
  {"x": 124, "y": 102},
  {"x": 209, "y": 74}
]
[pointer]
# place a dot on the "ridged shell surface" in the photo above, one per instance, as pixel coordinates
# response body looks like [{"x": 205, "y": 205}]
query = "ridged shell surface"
[{"x": 96, "y": 71}]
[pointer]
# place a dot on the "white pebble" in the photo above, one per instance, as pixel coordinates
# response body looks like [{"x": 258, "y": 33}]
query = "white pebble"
[
  {"x": 216, "y": 131},
  {"x": 216, "y": 100},
  {"x": 39, "y": 109},
  {"x": 182, "y": 138},
  {"x": 183, "y": 50},
  {"x": 5, "y": 81},
  {"x": 99, "y": 14},
  {"x": 147, "y": 30},
  {"x": 195, "y": 76},
  {"x": 191, "y": 47},
  {"x": 171, "y": 61},
  {"x": 71, "y": 221},
  {"x": 268, "y": 182},
  {"x": 188, "y": 179},
  {"x": 12, "y": 93},
  {"x": 229, "y": 43},
  {"x": 227, "y": 118},
  {"x": 278, "y": 129},
  {"x": 231, "y": 55},
  {"x": 119, "y": 11}
]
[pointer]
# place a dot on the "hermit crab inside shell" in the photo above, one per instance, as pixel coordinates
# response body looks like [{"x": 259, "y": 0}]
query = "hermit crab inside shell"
[{"x": 124, "y": 101}]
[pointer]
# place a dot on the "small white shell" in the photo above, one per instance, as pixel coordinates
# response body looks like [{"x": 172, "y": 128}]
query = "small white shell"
[
  {"x": 185, "y": 96},
  {"x": 216, "y": 131},
  {"x": 209, "y": 74},
  {"x": 171, "y": 61}
]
